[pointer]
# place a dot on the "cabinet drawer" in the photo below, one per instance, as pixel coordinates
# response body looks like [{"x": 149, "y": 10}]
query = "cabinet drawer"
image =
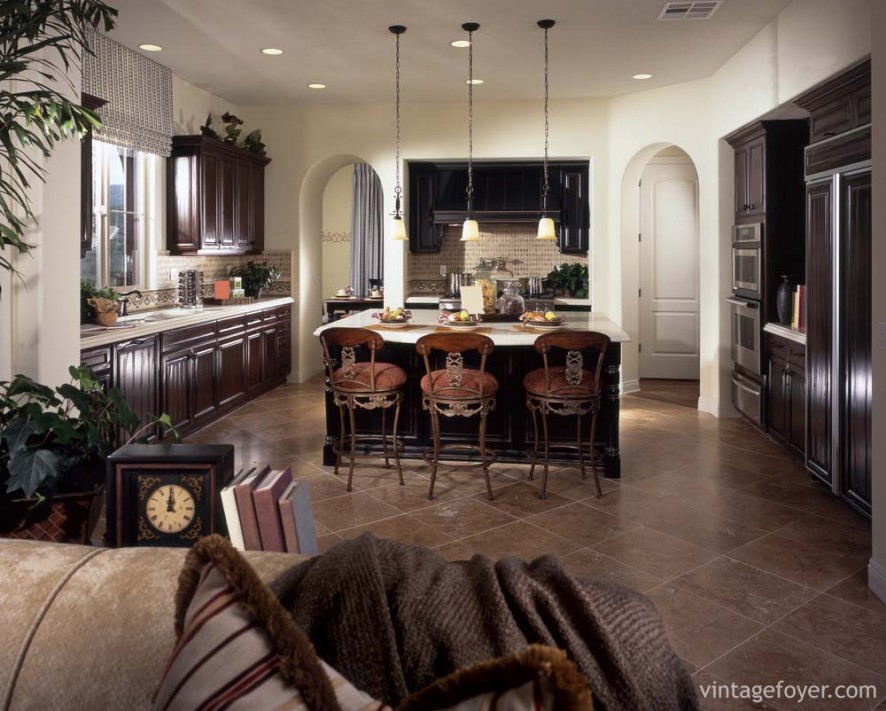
[
  {"x": 97, "y": 358},
  {"x": 832, "y": 118},
  {"x": 254, "y": 319},
  {"x": 230, "y": 326},
  {"x": 779, "y": 349},
  {"x": 187, "y": 337}
]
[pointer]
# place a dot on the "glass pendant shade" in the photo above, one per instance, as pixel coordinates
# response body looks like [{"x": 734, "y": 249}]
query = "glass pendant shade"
[
  {"x": 399, "y": 230},
  {"x": 470, "y": 231},
  {"x": 546, "y": 229}
]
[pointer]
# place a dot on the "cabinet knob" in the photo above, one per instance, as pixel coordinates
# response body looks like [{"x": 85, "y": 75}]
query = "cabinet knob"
[{"x": 746, "y": 207}]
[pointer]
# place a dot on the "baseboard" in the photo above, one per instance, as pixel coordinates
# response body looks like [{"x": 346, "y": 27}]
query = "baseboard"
[
  {"x": 715, "y": 408},
  {"x": 877, "y": 579},
  {"x": 630, "y": 386}
]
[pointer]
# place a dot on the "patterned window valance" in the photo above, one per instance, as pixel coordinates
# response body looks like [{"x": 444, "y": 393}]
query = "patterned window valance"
[{"x": 138, "y": 114}]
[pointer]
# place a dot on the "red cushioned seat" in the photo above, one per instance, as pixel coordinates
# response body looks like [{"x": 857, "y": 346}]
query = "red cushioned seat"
[
  {"x": 387, "y": 377},
  {"x": 470, "y": 384},
  {"x": 534, "y": 383}
]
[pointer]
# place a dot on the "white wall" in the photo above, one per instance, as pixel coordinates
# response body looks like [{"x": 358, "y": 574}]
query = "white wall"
[
  {"x": 877, "y": 568},
  {"x": 191, "y": 105},
  {"x": 337, "y": 202}
]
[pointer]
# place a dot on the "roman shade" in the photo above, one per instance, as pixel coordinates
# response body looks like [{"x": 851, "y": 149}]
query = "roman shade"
[{"x": 138, "y": 92}]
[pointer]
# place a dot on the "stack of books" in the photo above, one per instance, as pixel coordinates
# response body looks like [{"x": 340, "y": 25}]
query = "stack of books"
[
  {"x": 798, "y": 310},
  {"x": 267, "y": 510}
]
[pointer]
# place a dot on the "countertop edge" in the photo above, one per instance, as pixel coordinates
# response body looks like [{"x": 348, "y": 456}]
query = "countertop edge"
[
  {"x": 785, "y": 332},
  {"x": 204, "y": 315}
]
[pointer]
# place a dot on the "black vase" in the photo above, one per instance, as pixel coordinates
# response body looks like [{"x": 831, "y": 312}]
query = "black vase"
[{"x": 784, "y": 299}]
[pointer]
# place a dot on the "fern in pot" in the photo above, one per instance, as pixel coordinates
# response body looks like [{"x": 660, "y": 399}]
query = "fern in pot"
[{"x": 256, "y": 277}]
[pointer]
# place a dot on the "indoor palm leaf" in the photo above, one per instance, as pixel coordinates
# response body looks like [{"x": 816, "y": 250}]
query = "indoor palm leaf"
[{"x": 39, "y": 39}]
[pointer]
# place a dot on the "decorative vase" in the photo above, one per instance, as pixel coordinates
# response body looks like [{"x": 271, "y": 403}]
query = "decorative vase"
[{"x": 783, "y": 299}]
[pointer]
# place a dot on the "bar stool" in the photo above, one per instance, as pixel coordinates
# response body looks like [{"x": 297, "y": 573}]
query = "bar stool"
[
  {"x": 364, "y": 385},
  {"x": 456, "y": 391},
  {"x": 568, "y": 389}
]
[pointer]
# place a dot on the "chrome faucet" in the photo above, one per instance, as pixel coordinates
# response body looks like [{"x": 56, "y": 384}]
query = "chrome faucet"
[{"x": 123, "y": 309}]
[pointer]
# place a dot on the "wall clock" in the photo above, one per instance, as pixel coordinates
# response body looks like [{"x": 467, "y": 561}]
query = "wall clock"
[{"x": 166, "y": 494}]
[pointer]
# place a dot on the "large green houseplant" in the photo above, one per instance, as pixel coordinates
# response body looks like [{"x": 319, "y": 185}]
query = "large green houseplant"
[
  {"x": 54, "y": 442},
  {"x": 256, "y": 277},
  {"x": 39, "y": 41}
]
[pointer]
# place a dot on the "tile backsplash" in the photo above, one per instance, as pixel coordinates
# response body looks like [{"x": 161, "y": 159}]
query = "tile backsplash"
[
  {"x": 214, "y": 267},
  {"x": 516, "y": 243}
]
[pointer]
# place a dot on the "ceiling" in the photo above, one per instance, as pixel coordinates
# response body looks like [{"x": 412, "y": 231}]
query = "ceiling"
[{"x": 596, "y": 46}]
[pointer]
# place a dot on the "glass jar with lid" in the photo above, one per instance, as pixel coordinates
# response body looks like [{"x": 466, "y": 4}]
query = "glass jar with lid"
[
  {"x": 483, "y": 278},
  {"x": 510, "y": 302}
]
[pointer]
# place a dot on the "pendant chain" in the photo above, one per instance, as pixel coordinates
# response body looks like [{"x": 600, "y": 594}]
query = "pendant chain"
[
  {"x": 470, "y": 190},
  {"x": 546, "y": 188},
  {"x": 398, "y": 190}
]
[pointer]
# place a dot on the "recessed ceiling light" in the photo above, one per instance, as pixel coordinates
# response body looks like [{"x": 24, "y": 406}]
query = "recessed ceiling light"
[
  {"x": 273, "y": 51},
  {"x": 151, "y": 47},
  {"x": 461, "y": 44},
  {"x": 473, "y": 81},
  {"x": 642, "y": 76},
  {"x": 316, "y": 86}
]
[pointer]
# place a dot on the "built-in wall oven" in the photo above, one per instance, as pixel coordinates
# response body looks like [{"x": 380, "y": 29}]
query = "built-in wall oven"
[
  {"x": 747, "y": 260},
  {"x": 746, "y": 334}
]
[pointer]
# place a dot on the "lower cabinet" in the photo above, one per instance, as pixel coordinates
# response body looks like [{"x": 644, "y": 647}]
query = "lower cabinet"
[
  {"x": 786, "y": 408},
  {"x": 195, "y": 374}
]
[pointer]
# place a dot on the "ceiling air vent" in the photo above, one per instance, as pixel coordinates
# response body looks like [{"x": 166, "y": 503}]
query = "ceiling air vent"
[{"x": 698, "y": 10}]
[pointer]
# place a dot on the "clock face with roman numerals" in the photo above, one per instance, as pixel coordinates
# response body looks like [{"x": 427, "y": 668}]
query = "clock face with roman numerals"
[{"x": 170, "y": 508}]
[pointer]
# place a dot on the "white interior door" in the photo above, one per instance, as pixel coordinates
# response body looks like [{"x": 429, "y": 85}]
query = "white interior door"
[{"x": 669, "y": 322}]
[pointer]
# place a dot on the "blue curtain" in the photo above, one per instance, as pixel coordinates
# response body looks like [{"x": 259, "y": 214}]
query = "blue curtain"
[{"x": 367, "y": 229}]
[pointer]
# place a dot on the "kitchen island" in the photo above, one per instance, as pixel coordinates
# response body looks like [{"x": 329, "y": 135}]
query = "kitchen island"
[{"x": 509, "y": 425}]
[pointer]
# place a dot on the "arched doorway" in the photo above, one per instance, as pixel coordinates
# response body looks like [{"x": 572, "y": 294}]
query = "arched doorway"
[{"x": 661, "y": 290}]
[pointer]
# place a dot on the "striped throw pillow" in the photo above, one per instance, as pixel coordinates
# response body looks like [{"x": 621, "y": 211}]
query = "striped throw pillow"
[{"x": 238, "y": 648}]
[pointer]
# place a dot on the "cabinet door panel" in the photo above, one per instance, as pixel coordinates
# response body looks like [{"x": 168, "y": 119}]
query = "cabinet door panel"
[
  {"x": 232, "y": 370},
  {"x": 225, "y": 196},
  {"x": 757, "y": 177},
  {"x": 256, "y": 208},
  {"x": 819, "y": 328},
  {"x": 244, "y": 226},
  {"x": 574, "y": 218},
  {"x": 777, "y": 414},
  {"x": 135, "y": 372},
  {"x": 741, "y": 180},
  {"x": 271, "y": 371},
  {"x": 254, "y": 357},
  {"x": 212, "y": 176},
  {"x": 422, "y": 232},
  {"x": 797, "y": 411},
  {"x": 205, "y": 393},
  {"x": 175, "y": 388},
  {"x": 856, "y": 228}
]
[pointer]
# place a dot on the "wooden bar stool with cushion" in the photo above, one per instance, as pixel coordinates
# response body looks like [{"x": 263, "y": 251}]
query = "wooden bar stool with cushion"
[
  {"x": 570, "y": 389},
  {"x": 361, "y": 384},
  {"x": 456, "y": 391}
]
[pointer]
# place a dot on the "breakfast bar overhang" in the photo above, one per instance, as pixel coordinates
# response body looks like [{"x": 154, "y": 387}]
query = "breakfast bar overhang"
[{"x": 509, "y": 426}]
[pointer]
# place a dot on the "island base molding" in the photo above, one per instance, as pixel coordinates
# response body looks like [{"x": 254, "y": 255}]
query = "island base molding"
[{"x": 509, "y": 429}]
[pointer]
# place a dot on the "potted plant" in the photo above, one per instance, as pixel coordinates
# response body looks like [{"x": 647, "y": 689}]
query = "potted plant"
[
  {"x": 568, "y": 280},
  {"x": 38, "y": 43},
  {"x": 53, "y": 445},
  {"x": 88, "y": 292},
  {"x": 255, "y": 276}
]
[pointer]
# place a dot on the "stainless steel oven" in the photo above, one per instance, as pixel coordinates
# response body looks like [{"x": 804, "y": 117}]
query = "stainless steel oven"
[
  {"x": 747, "y": 260},
  {"x": 747, "y": 396},
  {"x": 746, "y": 334}
]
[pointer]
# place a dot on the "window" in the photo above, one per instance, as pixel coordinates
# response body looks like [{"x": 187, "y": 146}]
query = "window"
[{"x": 121, "y": 187}]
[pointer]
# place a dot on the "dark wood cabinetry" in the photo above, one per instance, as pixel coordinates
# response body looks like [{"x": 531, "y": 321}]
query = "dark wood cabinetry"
[
  {"x": 838, "y": 254},
  {"x": 503, "y": 193},
  {"x": 750, "y": 174},
  {"x": 786, "y": 402},
  {"x": 196, "y": 373},
  {"x": 135, "y": 374},
  {"x": 215, "y": 197}
]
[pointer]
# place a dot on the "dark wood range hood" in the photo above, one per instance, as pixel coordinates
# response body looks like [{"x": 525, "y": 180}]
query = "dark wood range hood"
[{"x": 504, "y": 193}]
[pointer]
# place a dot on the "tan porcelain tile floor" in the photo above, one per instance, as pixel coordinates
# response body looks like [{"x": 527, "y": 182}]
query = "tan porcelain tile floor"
[{"x": 757, "y": 572}]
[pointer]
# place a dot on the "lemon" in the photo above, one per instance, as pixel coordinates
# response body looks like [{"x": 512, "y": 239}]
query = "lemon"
[
  {"x": 464, "y": 315},
  {"x": 550, "y": 316}
]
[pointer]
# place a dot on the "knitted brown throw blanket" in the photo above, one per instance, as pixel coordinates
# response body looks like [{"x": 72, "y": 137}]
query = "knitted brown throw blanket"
[{"x": 393, "y": 617}]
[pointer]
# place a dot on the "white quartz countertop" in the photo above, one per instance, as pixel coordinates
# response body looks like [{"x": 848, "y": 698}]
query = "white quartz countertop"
[
  {"x": 791, "y": 334},
  {"x": 149, "y": 322},
  {"x": 502, "y": 334},
  {"x": 558, "y": 301}
]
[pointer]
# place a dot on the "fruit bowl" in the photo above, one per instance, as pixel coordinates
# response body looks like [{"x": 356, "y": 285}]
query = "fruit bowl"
[
  {"x": 393, "y": 318},
  {"x": 538, "y": 319},
  {"x": 457, "y": 319}
]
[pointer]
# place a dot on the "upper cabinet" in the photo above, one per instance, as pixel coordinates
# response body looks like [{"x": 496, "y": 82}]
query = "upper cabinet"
[
  {"x": 839, "y": 105},
  {"x": 504, "y": 193},
  {"x": 215, "y": 197}
]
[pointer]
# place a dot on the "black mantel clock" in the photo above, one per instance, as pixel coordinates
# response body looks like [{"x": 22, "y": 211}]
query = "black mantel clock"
[{"x": 166, "y": 494}]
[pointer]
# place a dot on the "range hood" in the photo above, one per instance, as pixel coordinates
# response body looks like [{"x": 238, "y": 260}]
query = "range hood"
[{"x": 500, "y": 217}]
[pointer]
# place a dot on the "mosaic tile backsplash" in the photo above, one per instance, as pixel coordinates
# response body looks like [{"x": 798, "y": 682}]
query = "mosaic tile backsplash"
[
  {"x": 214, "y": 268},
  {"x": 516, "y": 243}
]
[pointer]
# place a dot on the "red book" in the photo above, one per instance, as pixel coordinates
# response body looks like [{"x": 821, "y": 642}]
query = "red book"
[
  {"x": 265, "y": 496},
  {"x": 298, "y": 519},
  {"x": 246, "y": 508}
]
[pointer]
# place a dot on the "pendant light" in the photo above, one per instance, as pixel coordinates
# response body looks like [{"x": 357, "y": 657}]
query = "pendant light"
[
  {"x": 546, "y": 229},
  {"x": 470, "y": 230},
  {"x": 399, "y": 226}
]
